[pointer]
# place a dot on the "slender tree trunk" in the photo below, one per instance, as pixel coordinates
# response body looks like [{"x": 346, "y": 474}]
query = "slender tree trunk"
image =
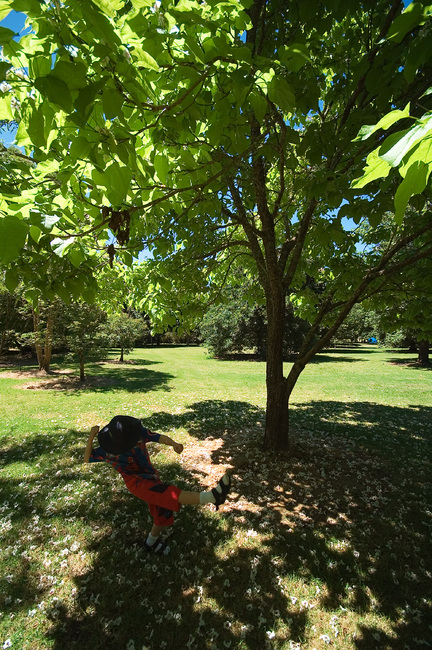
[
  {"x": 37, "y": 339},
  {"x": 81, "y": 365},
  {"x": 48, "y": 342},
  {"x": 277, "y": 414},
  {"x": 121, "y": 355},
  {"x": 423, "y": 352},
  {"x": 43, "y": 348}
]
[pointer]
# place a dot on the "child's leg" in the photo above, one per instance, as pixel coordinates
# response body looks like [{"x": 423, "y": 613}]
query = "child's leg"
[
  {"x": 217, "y": 495},
  {"x": 156, "y": 530}
]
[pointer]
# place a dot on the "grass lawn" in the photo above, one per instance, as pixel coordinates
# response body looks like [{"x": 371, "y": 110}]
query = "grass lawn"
[{"x": 327, "y": 547}]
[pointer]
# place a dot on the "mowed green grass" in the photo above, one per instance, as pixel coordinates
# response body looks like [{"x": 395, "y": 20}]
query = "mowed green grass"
[{"x": 328, "y": 547}]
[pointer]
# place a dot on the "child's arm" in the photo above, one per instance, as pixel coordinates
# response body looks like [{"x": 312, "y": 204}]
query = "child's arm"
[
  {"x": 88, "y": 450},
  {"x": 166, "y": 440}
]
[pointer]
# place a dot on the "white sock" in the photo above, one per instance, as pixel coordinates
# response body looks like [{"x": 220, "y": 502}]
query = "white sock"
[
  {"x": 207, "y": 497},
  {"x": 151, "y": 540}
]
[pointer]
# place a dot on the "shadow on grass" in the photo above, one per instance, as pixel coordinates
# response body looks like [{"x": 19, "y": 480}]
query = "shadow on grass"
[
  {"x": 412, "y": 364},
  {"x": 336, "y": 527},
  {"x": 107, "y": 377}
]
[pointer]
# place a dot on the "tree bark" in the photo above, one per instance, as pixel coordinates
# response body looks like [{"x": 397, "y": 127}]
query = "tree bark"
[
  {"x": 43, "y": 348},
  {"x": 277, "y": 414},
  {"x": 81, "y": 365},
  {"x": 423, "y": 353}
]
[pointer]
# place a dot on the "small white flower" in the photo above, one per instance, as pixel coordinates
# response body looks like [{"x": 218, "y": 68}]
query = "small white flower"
[
  {"x": 7, "y": 643},
  {"x": 325, "y": 638},
  {"x": 270, "y": 634}
]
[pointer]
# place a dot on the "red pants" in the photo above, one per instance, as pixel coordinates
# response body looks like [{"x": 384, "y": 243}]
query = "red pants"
[{"x": 161, "y": 498}]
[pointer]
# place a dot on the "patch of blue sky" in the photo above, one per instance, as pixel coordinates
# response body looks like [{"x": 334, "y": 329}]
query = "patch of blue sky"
[{"x": 15, "y": 21}]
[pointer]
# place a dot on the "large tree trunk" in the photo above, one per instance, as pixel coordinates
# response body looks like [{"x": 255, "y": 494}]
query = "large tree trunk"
[
  {"x": 277, "y": 414},
  {"x": 423, "y": 352}
]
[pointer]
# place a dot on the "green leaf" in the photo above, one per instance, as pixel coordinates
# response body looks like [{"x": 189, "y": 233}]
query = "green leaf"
[
  {"x": 80, "y": 148},
  {"x": 109, "y": 7},
  {"x": 4, "y": 67},
  {"x": 161, "y": 164},
  {"x": 396, "y": 147},
  {"x": 5, "y": 9},
  {"x": 56, "y": 91},
  {"x": 6, "y": 35},
  {"x": 30, "y": 7},
  {"x": 259, "y": 105},
  {"x": 86, "y": 96},
  {"x": 76, "y": 255},
  {"x": 281, "y": 94},
  {"x": 411, "y": 17},
  {"x": 294, "y": 56},
  {"x": 385, "y": 123},
  {"x": 13, "y": 234},
  {"x": 112, "y": 102},
  {"x": 35, "y": 233},
  {"x": 73, "y": 74},
  {"x": 39, "y": 66},
  {"x": 194, "y": 48},
  {"x": 101, "y": 28},
  {"x": 145, "y": 59},
  {"x": 36, "y": 127},
  {"x": 413, "y": 183},
  {"x": 140, "y": 4},
  {"x": 375, "y": 168},
  {"x": 116, "y": 181},
  {"x": 11, "y": 279},
  {"x": 5, "y": 108},
  {"x": 421, "y": 151}
]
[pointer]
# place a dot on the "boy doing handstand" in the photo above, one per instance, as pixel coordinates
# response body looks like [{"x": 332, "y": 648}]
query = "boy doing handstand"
[{"x": 122, "y": 444}]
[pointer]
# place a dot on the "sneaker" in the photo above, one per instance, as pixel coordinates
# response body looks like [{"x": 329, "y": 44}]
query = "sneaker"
[{"x": 220, "y": 494}]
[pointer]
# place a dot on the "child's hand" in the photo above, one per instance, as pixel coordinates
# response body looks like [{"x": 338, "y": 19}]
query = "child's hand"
[{"x": 178, "y": 447}]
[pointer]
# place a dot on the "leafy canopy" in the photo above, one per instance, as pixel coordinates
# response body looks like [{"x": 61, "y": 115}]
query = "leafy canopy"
[{"x": 217, "y": 133}]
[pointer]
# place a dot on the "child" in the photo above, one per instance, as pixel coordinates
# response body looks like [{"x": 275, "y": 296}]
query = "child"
[{"x": 123, "y": 445}]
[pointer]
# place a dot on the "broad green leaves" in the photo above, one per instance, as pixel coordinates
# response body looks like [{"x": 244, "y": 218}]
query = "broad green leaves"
[
  {"x": 409, "y": 150},
  {"x": 13, "y": 234}
]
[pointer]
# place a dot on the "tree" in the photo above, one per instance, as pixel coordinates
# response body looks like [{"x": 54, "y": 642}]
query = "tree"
[
  {"x": 13, "y": 319},
  {"x": 360, "y": 324},
  {"x": 122, "y": 331},
  {"x": 83, "y": 333},
  {"x": 218, "y": 135},
  {"x": 235, "y": 325}
]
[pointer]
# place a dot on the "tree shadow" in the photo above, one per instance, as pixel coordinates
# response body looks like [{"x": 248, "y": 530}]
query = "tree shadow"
[
  {"x": 105, "y": 378},
  {"x": 339, "y": 517},
  {"x": 412, "y": 364}
]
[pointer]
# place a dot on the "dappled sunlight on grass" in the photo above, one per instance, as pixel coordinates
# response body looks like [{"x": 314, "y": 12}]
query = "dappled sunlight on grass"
[{"x": 327, "y": 546}]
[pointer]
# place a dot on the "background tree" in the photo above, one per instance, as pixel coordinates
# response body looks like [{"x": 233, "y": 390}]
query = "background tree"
[
  {"x": 218, "y": 135},
  {"x": 14, "y": 320},
  {"x": 83, "y": 334},
  {"x": 122, "y": 331},
  {"x": 236, "y": 325}
]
